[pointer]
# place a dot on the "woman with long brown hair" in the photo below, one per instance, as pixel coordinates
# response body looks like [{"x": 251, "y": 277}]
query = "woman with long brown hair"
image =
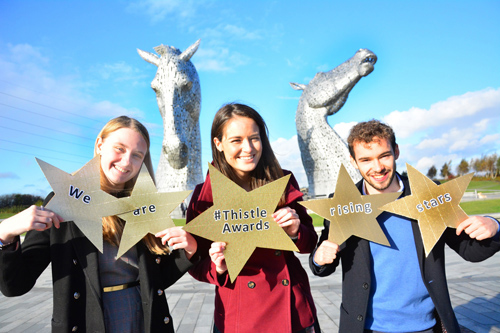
[
  {"x": 95, "y": 291},
  {"x": 272, "y": 292}
]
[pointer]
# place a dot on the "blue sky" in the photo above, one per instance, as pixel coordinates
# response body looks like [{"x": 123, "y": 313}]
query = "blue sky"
[{"x": 67, "y": 67}]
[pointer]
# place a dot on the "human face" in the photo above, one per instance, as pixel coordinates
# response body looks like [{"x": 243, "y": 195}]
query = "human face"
[
  {"x": 376, "y": 161},
  {"x": 122, "y": 153},
  {"x": 241, "y": 145}
]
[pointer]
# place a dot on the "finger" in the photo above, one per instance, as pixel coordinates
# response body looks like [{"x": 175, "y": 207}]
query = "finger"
[{"x": 463, "y": 225}]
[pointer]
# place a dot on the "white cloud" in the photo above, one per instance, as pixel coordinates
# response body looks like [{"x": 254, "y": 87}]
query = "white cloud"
[
  {"x": 343, "y": 129},
  {"x": 8, "y": 175},
  {"x": 160, "y": 9},
  {"x": 406, "y": 123},
  {"x": 464, "y": 126},
  {"x": 118, "y": 72},
  {"x": 218, "y": 59},
  {"x": 287, "y": 152}
]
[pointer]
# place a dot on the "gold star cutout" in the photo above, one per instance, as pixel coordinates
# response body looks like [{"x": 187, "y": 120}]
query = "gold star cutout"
[
  {"x": 436, "y": 207},
  {"x": 241, "y": 219},
  {"x": 350, "y": 213},
  {"x": 152, "y": 211},
  {"x": 79, "y": 198}
]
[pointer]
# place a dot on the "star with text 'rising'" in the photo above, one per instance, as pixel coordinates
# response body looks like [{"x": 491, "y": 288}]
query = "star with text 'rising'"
[
  {"x": 151, "y": 212},
  {"x": 241, "y": 219},
  {"x": 350, "y": 213},
  {"x": 436, "y": 207},
  {"x": 79, "y": 198}
]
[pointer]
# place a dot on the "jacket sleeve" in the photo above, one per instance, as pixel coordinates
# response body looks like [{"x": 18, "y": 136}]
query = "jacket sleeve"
[
  {"x": 204, "y": 270},
  {"x": 176, "y": 265},
  {"x": 329, "y": 268},
  {"x": 20, "y": 269},
  {"x": 307, "y": 236},
  {"x": 471, "y": 249}
]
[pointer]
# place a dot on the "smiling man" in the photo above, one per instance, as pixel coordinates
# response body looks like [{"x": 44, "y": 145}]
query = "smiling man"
[{"x": 396, "y": 288}]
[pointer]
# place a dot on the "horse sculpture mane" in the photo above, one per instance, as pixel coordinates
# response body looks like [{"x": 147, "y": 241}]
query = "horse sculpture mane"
[
  {"x": 322, "y": 149},
  {"x": 177, "y": 89}
]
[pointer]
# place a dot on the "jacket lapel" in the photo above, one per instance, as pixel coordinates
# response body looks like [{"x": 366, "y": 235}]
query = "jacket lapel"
[{"x": 87, "y": 255}]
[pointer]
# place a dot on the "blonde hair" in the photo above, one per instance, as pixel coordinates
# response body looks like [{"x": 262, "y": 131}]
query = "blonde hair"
[{"x": 112, "y": 226}]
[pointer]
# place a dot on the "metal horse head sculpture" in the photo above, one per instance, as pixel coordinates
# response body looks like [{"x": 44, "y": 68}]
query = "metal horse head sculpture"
[
  {"x": 177, "y": 89},
  {"x": 322, "y": 150}
]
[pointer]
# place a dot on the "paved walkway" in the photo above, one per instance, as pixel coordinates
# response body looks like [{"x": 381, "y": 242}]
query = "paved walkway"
[{"x": 474, "y": 288}]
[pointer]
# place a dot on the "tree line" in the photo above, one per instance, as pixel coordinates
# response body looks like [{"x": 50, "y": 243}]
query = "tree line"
[
  {"x": 487, "y": 166},
  {"x": 19, "y": 200}
]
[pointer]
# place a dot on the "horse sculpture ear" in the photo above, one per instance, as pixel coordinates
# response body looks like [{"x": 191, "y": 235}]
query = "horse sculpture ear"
[
  {"x": 298, "y": 86},
  {"x": 149, "y": 57},
  {"x": 188, "y": 53}
]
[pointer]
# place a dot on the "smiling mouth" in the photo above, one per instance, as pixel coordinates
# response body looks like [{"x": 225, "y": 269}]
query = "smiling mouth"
[
  {"x": 246, "y": 158},
  {"x": 120, "y": 169}
]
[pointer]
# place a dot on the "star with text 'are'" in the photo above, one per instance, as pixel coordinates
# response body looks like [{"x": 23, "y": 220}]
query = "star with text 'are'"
[
  {"x": 79, "y": 198},
  {"x": 350, "y": 213},
  {"x": 436, "y": 207},
  {"x": 241, "y": 219},
  {"x": 151, "y": 213}
]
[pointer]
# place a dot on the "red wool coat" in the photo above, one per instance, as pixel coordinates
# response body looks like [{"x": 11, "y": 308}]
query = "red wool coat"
[{"x": 272, "y": 292}]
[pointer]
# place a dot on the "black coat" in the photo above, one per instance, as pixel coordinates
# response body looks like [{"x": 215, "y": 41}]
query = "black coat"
[
  {"x": 76, "y": 285},
  {"x": 356, "y": 274}
]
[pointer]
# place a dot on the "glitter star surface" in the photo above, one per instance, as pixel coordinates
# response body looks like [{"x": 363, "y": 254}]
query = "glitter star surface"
[
  {"x": 436, "y": 207},
  {"x": 79, "y": 198},
  {"x": 151, "y": 212},
  {"x": 350, "y": 213},
  {"x": 241, "y": 219}
]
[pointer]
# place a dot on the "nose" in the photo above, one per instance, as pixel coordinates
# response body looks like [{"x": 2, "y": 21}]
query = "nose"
[
  {"x": 377, "y": 166},
  {"x": 247, "y": 145}
]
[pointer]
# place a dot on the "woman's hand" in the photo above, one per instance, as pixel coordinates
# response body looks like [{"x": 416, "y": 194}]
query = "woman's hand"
[
  {"x": 32, "y": 218},
  {"x": 288, "y": 219},
  {"x": 216, "y": 253},
  {"x": 177, "y": 238}
]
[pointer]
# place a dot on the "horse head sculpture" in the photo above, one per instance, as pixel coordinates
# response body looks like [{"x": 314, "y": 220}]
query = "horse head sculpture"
[
  {"x": 322, "y": 149},
  {"x": 177, "y": 89}
]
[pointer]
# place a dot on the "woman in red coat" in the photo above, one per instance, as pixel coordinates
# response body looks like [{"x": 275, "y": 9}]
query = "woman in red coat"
[{"x": 272, "y": 292}]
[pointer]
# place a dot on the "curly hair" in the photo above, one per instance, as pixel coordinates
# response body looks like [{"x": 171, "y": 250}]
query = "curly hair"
[{"x": 367, "y": 131}]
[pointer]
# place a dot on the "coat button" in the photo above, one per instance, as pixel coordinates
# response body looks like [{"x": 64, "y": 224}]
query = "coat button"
[
  {"x": 76, "y": 295},
  {"x": 75, "y": 262},
  {"x": 166, "y": 320},
  {"x": 251, "y": 284},
  {"x": 74, "y": 329},
  {"x": 160, "y": 292},
  {"x": 365, "y": 286},
  {"x": 285, "y": 282},
  {"x": 158, "y": 260},
  {"x": 277, "y": 253},
  {"x": 360, "y": 318}
]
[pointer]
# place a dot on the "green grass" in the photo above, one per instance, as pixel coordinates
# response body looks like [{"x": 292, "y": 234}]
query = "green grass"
[
  {"x": 179, "y": 222},
  {"x": 5, "y": 215},
  {"x": 481, "y": 207},
  {"x": 484, "y": 185}
]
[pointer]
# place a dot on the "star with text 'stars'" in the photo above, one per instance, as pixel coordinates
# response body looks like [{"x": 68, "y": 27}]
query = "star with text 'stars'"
[
  {"x": 436, "y": 207},
  {"x": 151, "y": 213},
  {"x": 350, "y": 213},
  {"x": 79, "y": 198},
  {"x": 241, "y": 219}
]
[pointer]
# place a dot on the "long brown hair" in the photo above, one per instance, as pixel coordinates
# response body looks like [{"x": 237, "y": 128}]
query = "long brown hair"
[
  {"x": 112, "y": 226},
  {"x": 268, "y": 168}
]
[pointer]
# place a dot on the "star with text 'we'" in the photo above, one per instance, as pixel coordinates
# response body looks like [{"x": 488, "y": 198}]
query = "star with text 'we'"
[
  {"x": 241, "y": 219},
  {"x": 350, "y": 213},
  {"x": 436, "y": 207},
  {"x": 79, "y": 198},
  {"x": 151, "y": 213}
]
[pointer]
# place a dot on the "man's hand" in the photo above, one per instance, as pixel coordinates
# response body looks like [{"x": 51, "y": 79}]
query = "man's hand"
[
  {"x": 326, "y": 253},
  {"x": 478, "y": 227}
]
